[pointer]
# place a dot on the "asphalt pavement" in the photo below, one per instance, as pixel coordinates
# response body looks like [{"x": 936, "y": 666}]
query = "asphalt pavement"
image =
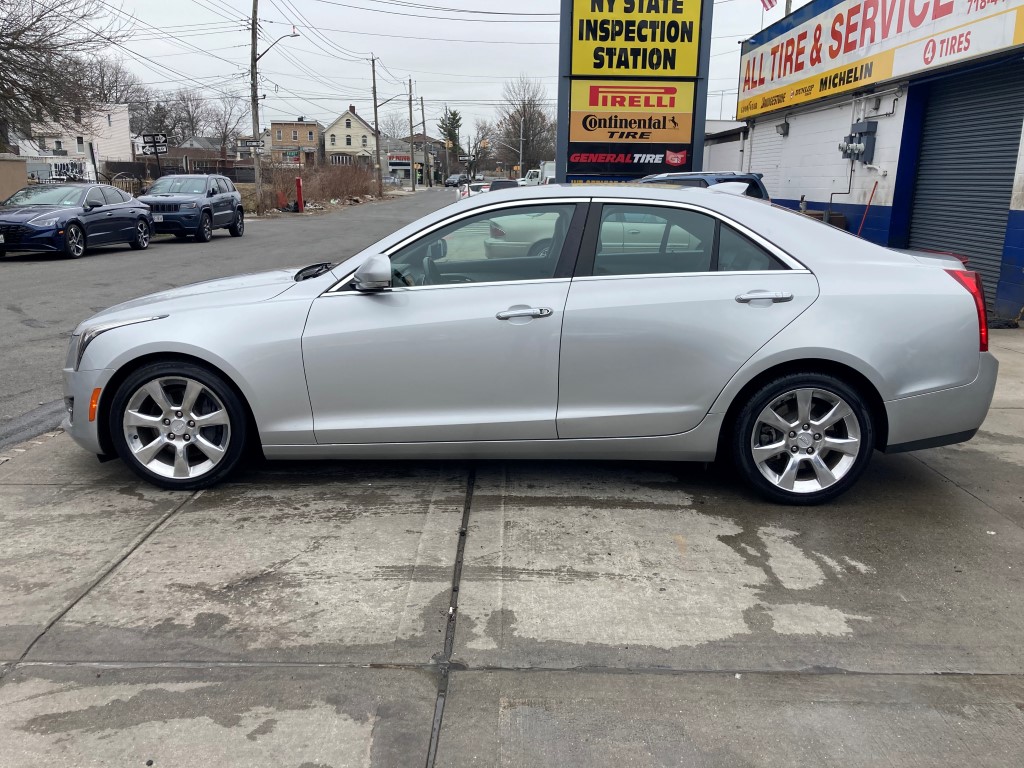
[
  {"x": 43, "y": 298},
  {"x": 506, "y": 613}
]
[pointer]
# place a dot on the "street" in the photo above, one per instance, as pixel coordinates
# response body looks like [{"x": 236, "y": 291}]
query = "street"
[
  {"x": 488, "y": 613},
  {"x": 45, "y": 297}
]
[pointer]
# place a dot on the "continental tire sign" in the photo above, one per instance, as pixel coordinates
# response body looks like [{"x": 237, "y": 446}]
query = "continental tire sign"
[
  {"x": 853, "y": 43},
  {"x": 632, "y": 79}
]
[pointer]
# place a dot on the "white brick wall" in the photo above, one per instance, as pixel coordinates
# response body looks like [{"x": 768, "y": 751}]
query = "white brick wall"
[
  {"x": 808, "y": 161},
  {"x": 727, "y": 156}
]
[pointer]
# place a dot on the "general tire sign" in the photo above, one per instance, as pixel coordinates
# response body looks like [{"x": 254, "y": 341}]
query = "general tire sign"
[{"x": 633, "y": 87}]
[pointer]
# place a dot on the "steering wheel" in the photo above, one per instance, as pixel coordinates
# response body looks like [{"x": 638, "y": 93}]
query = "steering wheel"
[{"x": 431, "y": 274}]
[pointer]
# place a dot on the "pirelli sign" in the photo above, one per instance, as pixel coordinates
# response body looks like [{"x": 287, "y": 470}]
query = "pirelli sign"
[{"x": 633, "y": 80}]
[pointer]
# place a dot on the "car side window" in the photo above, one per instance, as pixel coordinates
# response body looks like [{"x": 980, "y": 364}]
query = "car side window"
[
  {"x": 522, "y": 243},
  {"x": 645, "y": 240},
  {"x": 227, "y": 183},
  {"x": 125, "y": 197},
  {"x": 737, "y": 253},
  {"x": 95, "y": 197},
  {"x": 111, "y": 196},
  {"x": 222, "y": 187}
]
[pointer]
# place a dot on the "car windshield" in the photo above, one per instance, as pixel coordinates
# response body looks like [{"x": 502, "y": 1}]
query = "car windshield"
[
  {"x": 47, "y": 195},
  {"x": 178, "y": 185}
]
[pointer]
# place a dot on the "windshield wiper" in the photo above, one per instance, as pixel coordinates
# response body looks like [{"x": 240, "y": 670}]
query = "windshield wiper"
[{"x": 313, "y": 270}]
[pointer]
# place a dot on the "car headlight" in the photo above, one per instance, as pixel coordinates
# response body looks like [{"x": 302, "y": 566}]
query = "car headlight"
[
  {"x": 81, "y": 341},
  {"x": 186, "y": 205},
  {"x": 45, "y": 221}
]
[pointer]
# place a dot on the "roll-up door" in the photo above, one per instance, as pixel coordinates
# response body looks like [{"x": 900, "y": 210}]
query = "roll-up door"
[{"x": 971, "y": 137}]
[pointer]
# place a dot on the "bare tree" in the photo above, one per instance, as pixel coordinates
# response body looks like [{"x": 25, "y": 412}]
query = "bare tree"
[
  {"x": 44, "y": 72},
  {"x": 395, "y": 125},
  {"x": 525, "y": 107},
  {"x": 228, "y": 118},
  {"x": 481, "y": 149},
  {"x": 192, "y": 112},
  {"x": 113, "y": 83}
]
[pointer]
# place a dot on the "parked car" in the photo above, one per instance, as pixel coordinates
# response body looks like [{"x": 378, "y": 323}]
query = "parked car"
[
  {"x": 503, "y": 184},
  {"x": 392, "y": 181},
  {"x": 67, "y": 219},
  {"x": 456, "y": 179},
  {"x": 767, "y": 338},
  {"x": 755, "y": 186},
  {"x": 195, "y": 205},
  {"x": 472, "y": 189}
]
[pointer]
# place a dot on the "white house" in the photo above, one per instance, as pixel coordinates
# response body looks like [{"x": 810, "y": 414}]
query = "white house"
[
  {"x": 350, "y": 140},
  {"x": 55, "y": 151}
]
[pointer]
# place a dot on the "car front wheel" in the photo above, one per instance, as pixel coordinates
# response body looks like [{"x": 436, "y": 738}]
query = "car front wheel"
[
  {"x": 178, "y": 425},
  {"x": 74, "y": 241},
  {"x": 204, "y": 233},
  {"x": 140, "y": 241},
  {"x": 803, "y": 439}
]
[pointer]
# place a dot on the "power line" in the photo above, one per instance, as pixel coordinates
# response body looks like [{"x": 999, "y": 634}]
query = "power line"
[
  {"x": 458, "y": 10},
  {"x": 443, "y": 18},
  {"x": 418, "y": 37}
]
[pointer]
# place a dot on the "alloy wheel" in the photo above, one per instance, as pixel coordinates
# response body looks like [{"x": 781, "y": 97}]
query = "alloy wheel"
[
  {"x": 806, "y": 440},
  {"x": 142, "y": 234},
  {"x": 75, "y": 240},
  {"x": 177, "y": 427}
]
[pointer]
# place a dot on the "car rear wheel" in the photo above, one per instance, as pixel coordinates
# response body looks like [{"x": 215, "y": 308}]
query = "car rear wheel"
[
  {"x": 74, "y": 241},
  {"x": 238, "y": 228},
  {"x": 540, "y": 249},
  {"x": 204, "y": 233},
  {"x": 141, "y": 240},
  {"x": 803, "y": 439},
  {"x": 178, "y": 425}
]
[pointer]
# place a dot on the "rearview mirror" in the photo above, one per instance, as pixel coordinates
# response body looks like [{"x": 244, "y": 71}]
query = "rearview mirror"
[{"x": 374, "y": 274}]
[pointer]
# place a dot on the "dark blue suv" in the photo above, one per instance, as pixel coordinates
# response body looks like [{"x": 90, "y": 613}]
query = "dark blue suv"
[{"x": 195, "y": 205}]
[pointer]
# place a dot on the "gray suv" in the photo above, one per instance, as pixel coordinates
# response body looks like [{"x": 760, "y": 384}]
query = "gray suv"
[{"x": 184, "y": 205}]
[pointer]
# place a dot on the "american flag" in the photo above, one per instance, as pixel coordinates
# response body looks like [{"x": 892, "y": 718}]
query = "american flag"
[{"x": 768, "y": 4}]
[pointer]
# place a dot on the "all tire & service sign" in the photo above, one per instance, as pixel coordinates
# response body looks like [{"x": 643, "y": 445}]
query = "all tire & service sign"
[
  {"x": 633, "y": 87},
  {"x": 854, "y": 43}
]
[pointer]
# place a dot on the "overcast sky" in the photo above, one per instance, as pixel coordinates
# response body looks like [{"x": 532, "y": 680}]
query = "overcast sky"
[{"x": 460, "y": 56}]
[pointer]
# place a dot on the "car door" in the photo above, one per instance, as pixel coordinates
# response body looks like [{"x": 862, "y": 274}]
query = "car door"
[
  {"x": 460, "y": 348},
  {"x": 119, "y": 216},
  {"x": 650, "y": 338},
  {"x": 97, "y": 218}
]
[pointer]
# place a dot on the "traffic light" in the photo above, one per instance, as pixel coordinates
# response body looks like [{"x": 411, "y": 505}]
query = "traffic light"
[{"x": 484, "y": 144}]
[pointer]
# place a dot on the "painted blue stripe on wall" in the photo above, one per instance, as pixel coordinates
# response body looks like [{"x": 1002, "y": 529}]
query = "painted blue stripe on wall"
[
  {"x": 876, "y": 225},
  {"x": 1010, "y": 292},
  {"x": 795, "y": 19}
]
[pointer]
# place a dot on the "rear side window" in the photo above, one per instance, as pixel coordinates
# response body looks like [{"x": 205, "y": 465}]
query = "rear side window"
[
  {"x": 737, "y": 253},
  {"x": 222, "y": 184},
  {"x": 652, "y": 240}
]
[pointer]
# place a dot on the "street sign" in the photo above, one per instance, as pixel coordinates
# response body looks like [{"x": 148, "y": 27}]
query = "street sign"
[
  {"x": 463, "y": 158},
  {"x": 149, "y": 149},
  {"x": 252, "y": 143},
  {"x": 154, "y": 138}
]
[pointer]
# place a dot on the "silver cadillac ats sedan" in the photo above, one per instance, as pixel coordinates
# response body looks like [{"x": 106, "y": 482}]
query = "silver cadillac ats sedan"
[{"x": 553, "y": 322}]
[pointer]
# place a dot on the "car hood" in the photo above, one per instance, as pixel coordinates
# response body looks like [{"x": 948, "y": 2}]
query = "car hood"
[
  {"x": 224, "y": 292},
  {"x": 169, "y": 198},
  {"x": 19, "y": 214}
]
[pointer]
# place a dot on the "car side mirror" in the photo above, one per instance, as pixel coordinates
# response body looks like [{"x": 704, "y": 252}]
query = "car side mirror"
[
  {"x": 144, "y": 190},
  {"x": 211, "y": 192},
  {"x": 93, "y": 206},
  {"x": 438, "y": 250},
  {"x": 374, "y": 274}
]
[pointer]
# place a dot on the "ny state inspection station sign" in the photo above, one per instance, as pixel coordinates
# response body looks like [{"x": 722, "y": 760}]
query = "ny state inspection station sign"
[
  {"x": 833, "y": 46},
  {"x": 631, "y": 80}
]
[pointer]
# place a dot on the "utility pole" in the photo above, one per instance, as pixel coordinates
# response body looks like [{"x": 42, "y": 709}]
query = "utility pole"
[
  {"x": 412, "y": 143},
  {"x": 254, "y": 106},
  {"x": 428, "y": 178},
  {"x": 376, "y": 129},
  {"x": 521, "y": 123}
]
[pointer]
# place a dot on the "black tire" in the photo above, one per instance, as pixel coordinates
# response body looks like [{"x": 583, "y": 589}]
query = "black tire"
[
  {"x": 204, "y": 232},
  {"x": 840, "y": 450},
  {"x": 237, "y": 228},
  {"x": 228, "y": 436},
  {"x": 143, "y": 233},
  {"x": 74, "y": 241}
]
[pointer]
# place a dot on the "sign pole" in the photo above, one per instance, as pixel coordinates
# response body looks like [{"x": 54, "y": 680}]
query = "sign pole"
[{"x": 564, "y": 85}]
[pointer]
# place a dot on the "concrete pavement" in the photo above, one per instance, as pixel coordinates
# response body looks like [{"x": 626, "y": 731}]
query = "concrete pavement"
[{"x": 603, "y": 614}]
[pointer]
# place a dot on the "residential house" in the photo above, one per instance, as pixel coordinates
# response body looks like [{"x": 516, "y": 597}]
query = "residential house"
[
  {"x": 297, "y": 142},
  {"x": 350, "y": 140},
  {"x": 55, "y": 152}
]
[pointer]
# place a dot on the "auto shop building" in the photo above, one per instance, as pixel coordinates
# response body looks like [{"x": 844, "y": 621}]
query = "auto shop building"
[{"x": 905, "y": 117}]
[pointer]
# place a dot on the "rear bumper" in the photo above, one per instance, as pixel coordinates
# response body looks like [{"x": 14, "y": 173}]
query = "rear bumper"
[{"x": 944, "y": 417}]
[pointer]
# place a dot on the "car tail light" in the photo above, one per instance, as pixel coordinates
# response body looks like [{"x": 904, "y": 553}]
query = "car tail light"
[
  {"x": 972, "y": 282},
  {"x": 496, "y": 231}
]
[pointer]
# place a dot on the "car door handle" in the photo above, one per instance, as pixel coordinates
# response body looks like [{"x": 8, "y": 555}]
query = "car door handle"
[
  {"x": 776, "y": 297},
  {"x": 633, "y": 231},
  {"x": 110, "y": 214},
  {"x": 508, "y": 314}
]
